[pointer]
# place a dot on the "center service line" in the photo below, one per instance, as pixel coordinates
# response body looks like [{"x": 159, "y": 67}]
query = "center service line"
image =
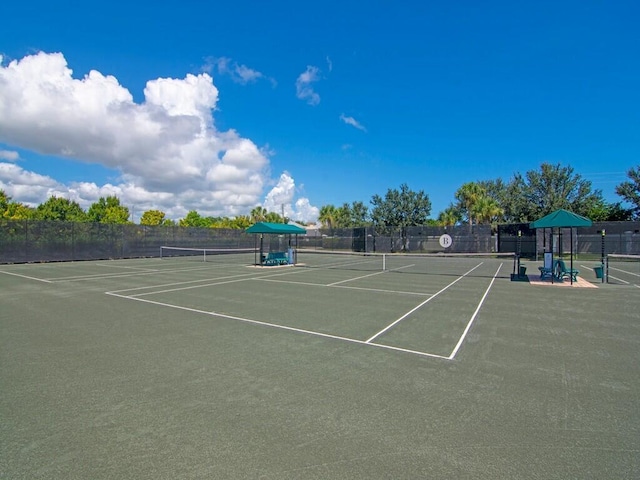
[
  {"x": 281, "y": 327},
  {"x": 420, "y": 305},
  {"x": 473, "y": 317}
]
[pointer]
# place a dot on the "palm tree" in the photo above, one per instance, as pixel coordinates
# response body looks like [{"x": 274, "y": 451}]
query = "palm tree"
[
  {"x": 486, "y": 210},
  {"x": 258, "y": 214},
  {"x": 467, "y": 196},
  {"x": 449, "y": 217},
  {"x": 328, "y": 215}
]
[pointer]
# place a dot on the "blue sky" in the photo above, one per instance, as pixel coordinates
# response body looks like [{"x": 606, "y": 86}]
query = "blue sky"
[{"x": 303, "y": 105}]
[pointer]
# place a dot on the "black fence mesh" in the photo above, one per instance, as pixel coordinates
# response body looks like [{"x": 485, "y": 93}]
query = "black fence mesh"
[
  {"x": 38, "y": 241},
  {"x": 619, "y": 238},
  {"x": 23, "y": 241},
  {"x": 423, "y": 239}
]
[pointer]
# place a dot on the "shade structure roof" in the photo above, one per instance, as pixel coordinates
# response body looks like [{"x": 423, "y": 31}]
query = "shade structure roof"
[
  {"x": 275, "y": 228},
  {"x": 561, "y": 219}
]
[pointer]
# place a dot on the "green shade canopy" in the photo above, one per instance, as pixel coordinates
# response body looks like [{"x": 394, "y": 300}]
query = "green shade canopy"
[
  {"x": 561, "y": 219},
  {"x": 276, "y": 228}
]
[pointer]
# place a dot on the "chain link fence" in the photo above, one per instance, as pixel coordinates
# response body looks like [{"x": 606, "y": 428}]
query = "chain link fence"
[
  {"x": 422, "y": 239},
  {"x": 24, "y": 241}
]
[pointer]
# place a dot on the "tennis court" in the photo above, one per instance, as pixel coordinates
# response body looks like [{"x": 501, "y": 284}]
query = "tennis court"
[
  {"x": 623, "y": 269},
  {"x": 343, "y": 366}
]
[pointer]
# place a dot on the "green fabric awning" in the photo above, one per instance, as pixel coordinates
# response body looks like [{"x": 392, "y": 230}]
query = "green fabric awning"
[
  {"x": 275, "y": 228},
  {"x": 561, "y": 219}
]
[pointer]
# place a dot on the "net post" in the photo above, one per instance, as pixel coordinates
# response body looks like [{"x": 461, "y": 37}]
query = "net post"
[{"x": 384, "y": 262}]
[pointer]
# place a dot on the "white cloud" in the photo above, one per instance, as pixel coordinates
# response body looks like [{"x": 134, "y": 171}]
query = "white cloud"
[
  {"x": 305, "y": 212},
  {"x": 281, "y": 197},
  {"x": 304, "y": 90},
  {"x": 237, "y": 72},
  {"x": 353, "y": 122},
  {"x": 9, "y": 155},
  {"x": 166, "y": 149},
  {"x": 329, "y": 63}
]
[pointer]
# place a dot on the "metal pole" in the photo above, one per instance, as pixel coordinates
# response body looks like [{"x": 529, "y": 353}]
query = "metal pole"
[
  {"x": 571, "y": 253},
  {"x": 519, "y": 250},
  {"x": 602, "y": 258}
]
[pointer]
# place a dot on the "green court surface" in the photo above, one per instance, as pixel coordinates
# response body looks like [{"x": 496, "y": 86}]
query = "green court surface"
[{"x": 430, "y": 368}]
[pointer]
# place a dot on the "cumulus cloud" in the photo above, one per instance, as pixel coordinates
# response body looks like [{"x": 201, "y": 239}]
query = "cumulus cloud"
[
  {"x": 166, "y": 149},
  {"x": 353, "y": 122},
  {"x": 281, "y": 197},
  {"x": 304, "y": 89}
]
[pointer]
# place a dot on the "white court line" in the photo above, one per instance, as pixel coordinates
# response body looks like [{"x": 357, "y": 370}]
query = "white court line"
[
  {"x": 339, "y": 265},
  {"x": 26, "y": 276},
  {"x": 421, "y": 294},
  {"x": 624, "y": 271},
  {"x": 422, "y": 304},
  {"x": 473, "y": 317},
  {"x": 619, "y": 280},
  {"x": 216, "y": 281},
  {"x": 368, "y": 275},
  {"x": 353, "y": 279},
  {"x": 191, "y": 287},
  {"x": 147, "y": 287},
  {"x": 124, "y": 266},
  {"x": 99, "y": 276},
  {"x": 281, "y": 327},
  {"x": 330, "y": 336}
]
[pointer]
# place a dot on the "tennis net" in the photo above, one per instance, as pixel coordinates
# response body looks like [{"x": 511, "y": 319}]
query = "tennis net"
[
  {"x": 407, "y": 263},
  {"x": 623, "y": 269},
  {"x": 234, "y": 256}
]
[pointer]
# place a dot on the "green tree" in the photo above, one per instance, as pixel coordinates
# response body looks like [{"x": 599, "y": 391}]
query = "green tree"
[
  {"x": 450, "y": 216},
  {"x": 14, "y": 210},
  {"x": 343, "y": 216},
  {"x": 630, "y": 190},
  {"x": 359, "y": 214},
  {"x": 487, "y": 210},
  {"x": 602, "y": 211},
  {"x": 258, "y": 214},
  {"x": 274, "y": 217},
  {"x": 192, "y": 219},
  {"x": 108, "y": 210},
  {"x": 468, "y": 196},
  {"x": 539, "y": 193},
  {"x": 327, "y": 216},
  {"x": 4, "y": 202},
  {"x": 347, "y": 216},
  {"x": 400, "y": 209},
  {"x": 152, "y": 217},
  {"x": 496, "y": 190},
  {"x": 241, "y": 222},
  {"x": 617, "y": 213},
  {"x": 19, "y": 211},
  {"x": 61, "y": 209}
]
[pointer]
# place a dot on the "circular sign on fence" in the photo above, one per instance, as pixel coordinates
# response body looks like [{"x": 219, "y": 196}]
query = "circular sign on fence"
[{"x": 446, "y": 241}]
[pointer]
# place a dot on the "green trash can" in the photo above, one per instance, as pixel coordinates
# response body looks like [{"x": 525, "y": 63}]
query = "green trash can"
[
  {"x": 599, "y": 270},
  {"x": 523, "y": 271}
]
